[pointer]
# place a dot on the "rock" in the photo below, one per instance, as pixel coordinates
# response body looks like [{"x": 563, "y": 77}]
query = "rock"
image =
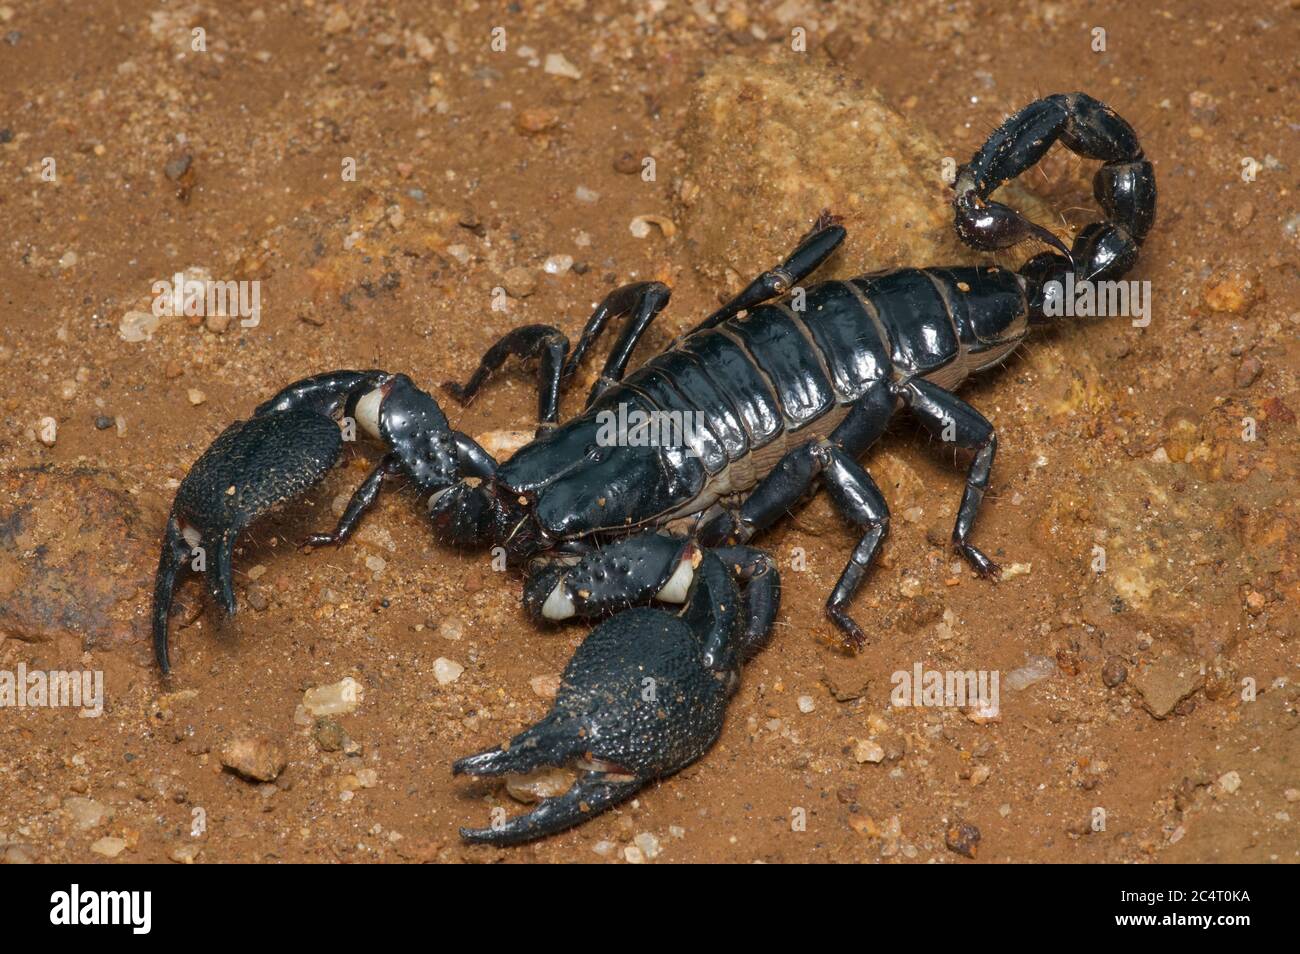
[
  {"x": 867, "y": 750},
  {"x": 1229, "y": 782},
  {"x": 648, "y": 844},
  {"x": 628, "y": 163},
  {"x": 256, "y": 758},
  {"x": 557, "y": 264},
  {"x": 339, "y": 698},
  {"x": 451, "y": 628},
  {"x": 330, "y": 735},
  {"x": 13, "y": 854},
  {"x": 1035, "y": 670},
  {"x": 520, "y": 282},
  {"x": 536, "y": 120},
  {"x": 446, "y": 671},
  {"x": 177, "y": 167},
  {"x": 85, "y": 813},
  {"x": 1249, "y": 369},
  {"x": 963, "y": 839},
  {"x": 137, "y": 326},
  {"x": 828, "y": 141},
  {"x": 76, "y": 552},
  {"x": 1113, "y": 672},
  {"x": 633, "y": 855},
  {"x": 546, "y": 686},
  {"x": 1233, "y": 294},
  {"x": 558, "y": 65},
  {"x": 1166, "y": 681},
  {"x": 338, "y": 21},
  {"x": 109, "y": 847},
  {"x": 185, "y": 852}
]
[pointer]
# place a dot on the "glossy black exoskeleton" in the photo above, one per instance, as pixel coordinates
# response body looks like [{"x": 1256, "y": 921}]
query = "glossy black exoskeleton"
[{"x": 769, "y": 400}]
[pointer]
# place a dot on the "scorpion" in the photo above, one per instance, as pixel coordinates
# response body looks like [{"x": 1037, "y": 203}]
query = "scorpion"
[{"x": 788, "y": 400}]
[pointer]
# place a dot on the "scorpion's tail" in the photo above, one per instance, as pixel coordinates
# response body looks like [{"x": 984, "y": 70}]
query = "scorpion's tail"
[
  {"x": 175, "y": 553},
  {"x": 1125, "y": 187}
]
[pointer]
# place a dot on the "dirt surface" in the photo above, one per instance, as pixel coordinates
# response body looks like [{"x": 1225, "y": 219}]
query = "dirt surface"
[{"x": 1158, "y": 715}]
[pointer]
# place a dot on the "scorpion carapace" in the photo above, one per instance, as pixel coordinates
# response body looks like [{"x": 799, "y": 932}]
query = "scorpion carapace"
[{"x": 603, "y": 522}]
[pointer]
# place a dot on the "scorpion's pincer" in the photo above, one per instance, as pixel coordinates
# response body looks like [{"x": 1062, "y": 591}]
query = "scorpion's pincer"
[{"x": 643, "y": 697}]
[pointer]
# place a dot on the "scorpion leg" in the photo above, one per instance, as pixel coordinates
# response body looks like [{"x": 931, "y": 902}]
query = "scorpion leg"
[
  {"x": 949, "y": 418},
  {"x": 363, "y": 499},
  {"x": 813, "y": 249},
  {"x": 1124, "y": 186},
  {"x": 638, "y": 701},
  {"x": 854, "y": 492},
  {"x": 531, "y": 341},
  {"x": 642, "y": 301}
]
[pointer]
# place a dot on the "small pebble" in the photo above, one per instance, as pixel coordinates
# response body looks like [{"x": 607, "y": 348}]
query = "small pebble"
[
  {"x": 338, "y": 698},
  {"x": 109, "y": 847},
  {"x": 648, "y": 844},
  {"x": 807, "y": 704},
  {"x": 557, "y": 65},
  {"x": 963, "y": 839},
  {"x": 627, "y": 163},
  {"x": 446, "y": 671},
  {"x": 1249, "y": 369},
  {"x": 178, "y": 167},
  {"x": 557, "y": 264},
  {"x": 867, "y": 750},
  {"x": 1036, "y": 670},
  {"x": 330, "y": 735},
  {"x": 520, "y": 282},
  {"x": 545, "y": 686},
  {"x": 1113, "y": 672},
  {"x": 257, "y": 758},
  {"x": 137, "y": 326},
  {"x": 1230, "y": 781},
  {"x": 536, "y": 120},
  {"x": 196, "y": 396},
  {"x": 103, "y": 422}
]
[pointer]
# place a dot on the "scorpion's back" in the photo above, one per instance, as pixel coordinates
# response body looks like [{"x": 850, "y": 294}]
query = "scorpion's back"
[{"x": 757, "y": 386}]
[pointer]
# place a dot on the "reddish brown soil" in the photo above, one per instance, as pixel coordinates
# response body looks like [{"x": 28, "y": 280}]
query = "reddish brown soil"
[{"x": 1113, "y": 435}]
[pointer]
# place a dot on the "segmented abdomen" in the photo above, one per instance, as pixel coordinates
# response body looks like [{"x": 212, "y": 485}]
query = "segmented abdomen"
[{"x": 758, "y": 386}]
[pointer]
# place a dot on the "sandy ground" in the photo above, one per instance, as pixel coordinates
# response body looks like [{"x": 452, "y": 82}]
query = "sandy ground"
[{"x": 1157, "y": 714}]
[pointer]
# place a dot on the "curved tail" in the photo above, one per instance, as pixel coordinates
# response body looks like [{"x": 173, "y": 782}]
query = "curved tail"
[{"x": 1124, "y": 187}]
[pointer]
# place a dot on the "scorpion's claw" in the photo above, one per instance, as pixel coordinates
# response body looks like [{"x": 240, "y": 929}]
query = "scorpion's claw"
[
  {"x": 250, "y": 468},
  {"x": 643, "y": 697}
]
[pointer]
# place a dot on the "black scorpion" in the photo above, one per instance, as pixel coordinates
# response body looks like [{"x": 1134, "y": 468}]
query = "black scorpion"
[{"x": 784, "y": 401}]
